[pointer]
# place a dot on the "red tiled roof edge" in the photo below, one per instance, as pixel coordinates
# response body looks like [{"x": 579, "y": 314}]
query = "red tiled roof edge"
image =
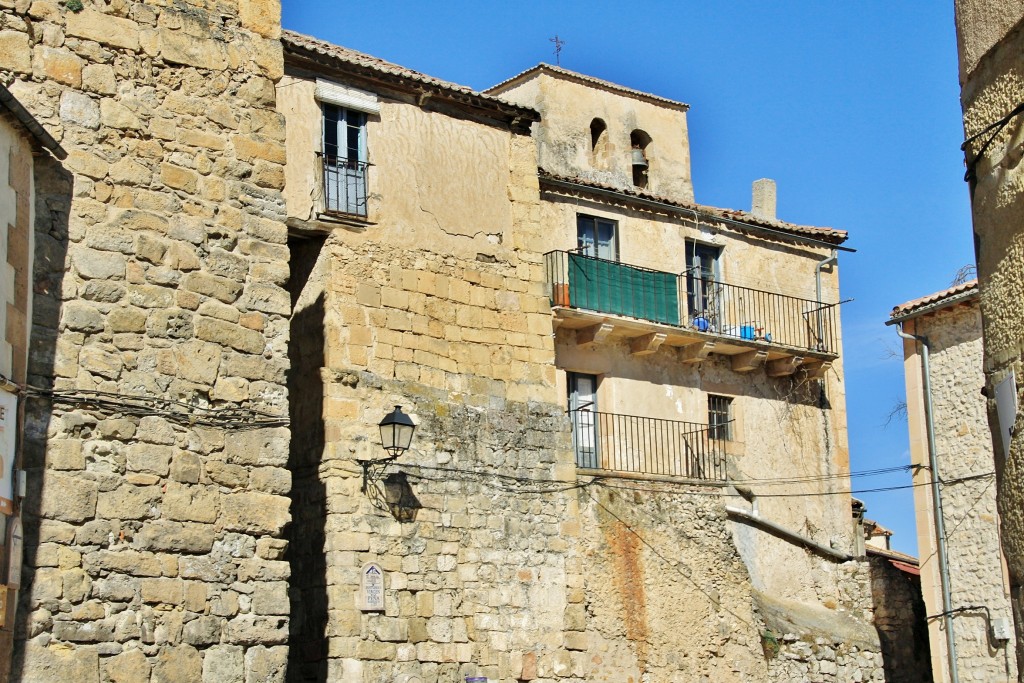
[
  {"x": 299, "y": 42},
  {"x": 965, "y": 291},
  {"x": 830, "y": 235}
]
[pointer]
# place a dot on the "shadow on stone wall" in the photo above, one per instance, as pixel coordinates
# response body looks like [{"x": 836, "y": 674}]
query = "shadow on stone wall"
[
  {"x": 901, "y": 622},
  {"x": 53, "y": 190},
  {"x": 306, "y": 553}
]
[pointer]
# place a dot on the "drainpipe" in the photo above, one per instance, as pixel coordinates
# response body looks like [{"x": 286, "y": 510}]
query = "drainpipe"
[
  {"x": 940, "y": 528},
  {"x": 817, "y": 289},
  {"x": 817, "y": 272}
]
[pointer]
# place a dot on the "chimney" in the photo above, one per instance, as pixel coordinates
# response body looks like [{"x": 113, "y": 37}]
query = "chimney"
[{"x": 764, "y": 199}]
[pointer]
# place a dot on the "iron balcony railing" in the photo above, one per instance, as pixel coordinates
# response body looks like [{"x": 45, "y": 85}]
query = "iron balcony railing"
[
  {"x": 646, "y": 445},
  {"x": 691, "y": 301},
  {"x": 344, "y": 185}
]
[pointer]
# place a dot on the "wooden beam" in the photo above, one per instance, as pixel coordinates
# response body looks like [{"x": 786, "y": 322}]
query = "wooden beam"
[
  {"x": 783, "y": 367},
  {"x": 595, "y": 334},
  {"x": 695, "y": 353},
  {"x": 649, "y": 343},
  {"x": 816, "y": 369},
  {"x": 750, "y": 360}
]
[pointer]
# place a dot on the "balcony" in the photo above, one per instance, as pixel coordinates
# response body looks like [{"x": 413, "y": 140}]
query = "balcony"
[
  {"x": 344, "y": 182},
  {"x": 607, "y": 301},
  {"x": 646, "y": 446}
]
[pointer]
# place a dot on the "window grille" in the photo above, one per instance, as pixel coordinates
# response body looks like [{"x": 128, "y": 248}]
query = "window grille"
[{"x": 720, "y": 417}]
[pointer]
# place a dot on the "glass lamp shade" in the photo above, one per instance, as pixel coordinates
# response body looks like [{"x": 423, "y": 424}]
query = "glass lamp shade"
[{"x": 396, "y": 432}]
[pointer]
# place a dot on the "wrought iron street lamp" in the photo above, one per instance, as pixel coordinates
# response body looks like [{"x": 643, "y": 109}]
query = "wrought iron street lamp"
[{"x": 396, "y": 432}]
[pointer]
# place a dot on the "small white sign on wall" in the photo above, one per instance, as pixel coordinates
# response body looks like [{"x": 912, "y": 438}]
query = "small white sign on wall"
[{"x": 371, "y": 588}]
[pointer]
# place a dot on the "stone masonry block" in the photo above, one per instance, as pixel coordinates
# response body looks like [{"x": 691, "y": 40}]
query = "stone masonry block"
[
  {"x": 271, "y": 598},
  {"x": 43, "y": 663},
  {"x": 162, "y": 590},
  {"x": 266, "y": 664},
  {"x": 235, "y": 336},
  {"x": 130, "y": 666},
  {"x": 181, "y": 664},
  {"x": 15, "y": 53},
  {"x": 224, "y": 664},
  {"x": 68, "y": 498},
  {"x": 176, "y": 537},
  {"x": 258, "y": 513},
  {"x": 103, "y": 28},
  {"x": 59, "y": 64}
]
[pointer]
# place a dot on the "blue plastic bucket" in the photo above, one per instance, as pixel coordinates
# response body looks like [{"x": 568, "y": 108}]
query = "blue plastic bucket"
[
  {"x": 701, "y": 324},
  {"x": 747, "y": 332}
]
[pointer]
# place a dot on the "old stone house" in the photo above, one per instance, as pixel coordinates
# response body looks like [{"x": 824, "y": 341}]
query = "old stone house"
[
  {"x": 630, "y": 458},
  {"x": 990, "y": 41},
  {"x": 946, "y": 418},
  {"x": 617, "y": 392}
]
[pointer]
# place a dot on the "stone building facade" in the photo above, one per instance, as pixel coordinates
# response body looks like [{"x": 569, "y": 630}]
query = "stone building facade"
[
  {"x": 990, "y": 39},
  {"x": 431, "y": 269},
  {"x": 157, "y": 481},
  {"x": 260, "y": 242},
  {"x": 950, "y": 324}
]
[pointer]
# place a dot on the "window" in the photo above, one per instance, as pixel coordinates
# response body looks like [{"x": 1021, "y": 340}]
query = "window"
[
  {"x": 719, "y": 417},
  {"x": 583, "y": 412},
  {"x": 597, "y": 237},
  {"x": 703, "y": 291},
  {"x": 344, "y": 158}
]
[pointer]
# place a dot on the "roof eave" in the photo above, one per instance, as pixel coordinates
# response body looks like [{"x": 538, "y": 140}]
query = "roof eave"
[
  {"x": 516, "y": 114},
  {"x": 829, "y": 241},
  {"x": 591, "y": 81},
  {"x": 962, "y": 297}
]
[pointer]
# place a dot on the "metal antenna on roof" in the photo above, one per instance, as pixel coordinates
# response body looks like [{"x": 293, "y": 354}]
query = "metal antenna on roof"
[{"x": 558, "y": 48}]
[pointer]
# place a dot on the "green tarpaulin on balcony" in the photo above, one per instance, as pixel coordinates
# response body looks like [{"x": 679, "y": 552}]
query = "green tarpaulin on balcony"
[{"x": 616, "y": 288}]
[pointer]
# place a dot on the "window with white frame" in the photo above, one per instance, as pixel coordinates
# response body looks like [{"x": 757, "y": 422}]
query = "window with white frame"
[
  {"x": 345, "y": 111},
  {"x": 344, "y": 157}
]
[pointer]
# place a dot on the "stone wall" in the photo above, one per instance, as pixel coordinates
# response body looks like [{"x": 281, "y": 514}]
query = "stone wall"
[
  {"x": 901, "y": 620},
  {"x": 154, "y": 527},
  {"x": 963, "y": 448},
  {"x": 991, "y": 42}
]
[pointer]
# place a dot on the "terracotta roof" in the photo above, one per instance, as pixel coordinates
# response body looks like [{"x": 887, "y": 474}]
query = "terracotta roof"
[
  {"x": 829, "y": 235},
  {"x": 588, "y": 80},
  {"x": 967, "y": 290},
  {"x": 902, "y": 561},
  {"x": 297, "y": 42}
]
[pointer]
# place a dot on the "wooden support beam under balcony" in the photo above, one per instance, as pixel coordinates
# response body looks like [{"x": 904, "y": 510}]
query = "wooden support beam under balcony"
[
  {"x": 647, "y": 344},
  {"x": 749, "y": 361},
  {"x": 595, "y": 334},
  {"x": 817, "y": 369},
  {"x": 696, "y": 353},
  {"x": 783, "y": 367}
]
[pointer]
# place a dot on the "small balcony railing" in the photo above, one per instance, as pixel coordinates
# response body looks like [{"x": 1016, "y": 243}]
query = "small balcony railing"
[
  {"x": 344, "y": 182},
  {"x": 646, "y": 445},
  {"x": 689, "y": 301}
]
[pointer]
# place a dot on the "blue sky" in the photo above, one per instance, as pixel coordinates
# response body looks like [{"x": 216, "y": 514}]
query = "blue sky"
[{"x": 853, "y": 108}]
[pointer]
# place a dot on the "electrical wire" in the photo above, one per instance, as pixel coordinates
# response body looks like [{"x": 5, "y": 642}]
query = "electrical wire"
[{"x": 178, "y": 412}]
